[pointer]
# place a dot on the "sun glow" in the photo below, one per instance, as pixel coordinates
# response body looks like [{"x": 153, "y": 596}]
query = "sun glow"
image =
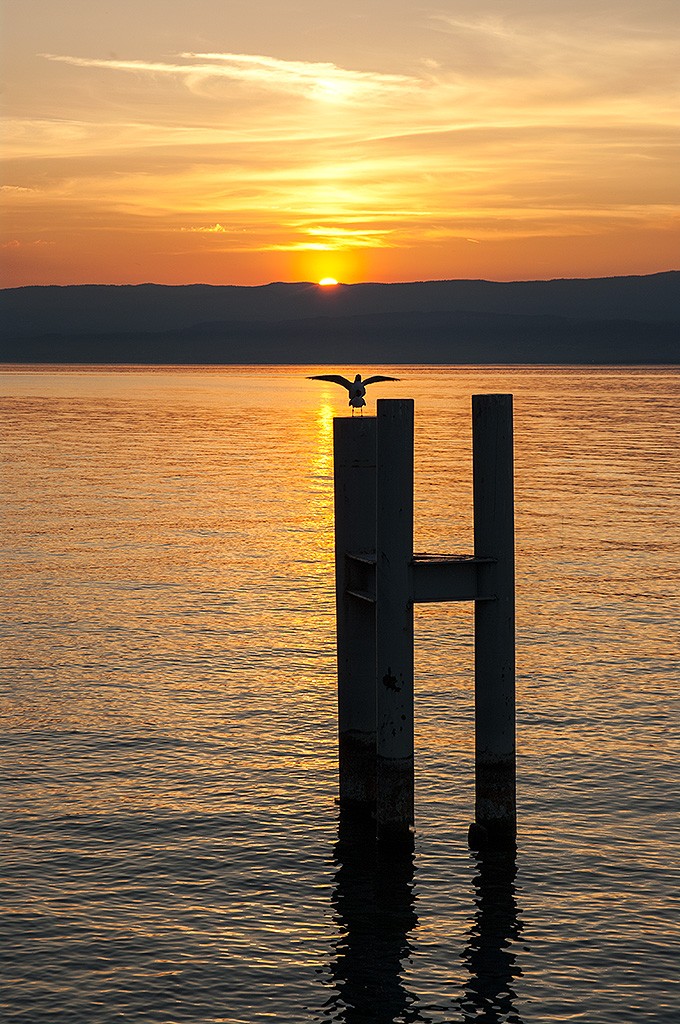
[
  {"x": 564, "y": 148},
  {"x": 327, "y": 282}
]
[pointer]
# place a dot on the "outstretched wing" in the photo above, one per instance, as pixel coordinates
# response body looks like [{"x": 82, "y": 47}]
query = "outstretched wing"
[
  {"x": 374, "y": 380},
  {"x": 334, "y": 378}
]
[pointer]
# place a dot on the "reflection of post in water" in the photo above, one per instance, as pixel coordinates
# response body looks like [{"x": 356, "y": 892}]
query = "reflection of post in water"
[
  {"x": 375, "y": 910},
  {"x": 489, "y": 994}
]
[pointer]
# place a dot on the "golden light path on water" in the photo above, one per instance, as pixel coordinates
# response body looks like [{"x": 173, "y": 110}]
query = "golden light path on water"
[{"x": 172, "y": 847}]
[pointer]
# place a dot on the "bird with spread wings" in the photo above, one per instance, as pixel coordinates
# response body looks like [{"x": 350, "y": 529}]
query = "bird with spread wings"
[{"x": 356, "y": 387}]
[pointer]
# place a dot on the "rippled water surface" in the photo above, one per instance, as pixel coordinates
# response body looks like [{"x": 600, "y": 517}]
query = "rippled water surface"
[{"x": 171, "y": 845}]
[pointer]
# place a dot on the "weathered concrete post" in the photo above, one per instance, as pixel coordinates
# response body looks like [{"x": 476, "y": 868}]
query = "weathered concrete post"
[
  {"x": 354, "y": 446},
  {"x": 492, "y": 466},
  {"x": 394, "y": 618},
  {"x": 378, "y": 579}
]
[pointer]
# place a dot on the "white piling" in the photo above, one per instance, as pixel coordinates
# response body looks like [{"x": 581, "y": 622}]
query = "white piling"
[
  {"x": 394, "y": 619},
  {"x": 495, "y": 800},
  {"x": 354, "y": 445}
]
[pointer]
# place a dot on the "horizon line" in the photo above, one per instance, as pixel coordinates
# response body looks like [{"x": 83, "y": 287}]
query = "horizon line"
[{"x": 343, "y": 284}]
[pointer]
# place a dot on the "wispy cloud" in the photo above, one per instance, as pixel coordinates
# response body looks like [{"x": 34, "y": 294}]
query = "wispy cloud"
[
  {"x": 318, "y": 80},
  {"x": 214, "y": 229},
  {"x": 333, "y": 238},
  {"x": 15, "y": 243},
  {"x": 583, "y": 54}
]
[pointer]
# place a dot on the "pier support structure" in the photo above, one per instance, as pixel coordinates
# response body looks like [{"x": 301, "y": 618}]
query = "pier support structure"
[{"x": 378, "y": 580}]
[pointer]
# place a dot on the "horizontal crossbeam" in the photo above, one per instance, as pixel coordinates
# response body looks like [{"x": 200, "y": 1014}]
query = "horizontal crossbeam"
[
  {"x": 433, "y": 578},
  {"x": 450, "y": 578}
]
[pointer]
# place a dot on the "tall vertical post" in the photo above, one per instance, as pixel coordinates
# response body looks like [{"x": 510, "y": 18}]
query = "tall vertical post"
[
  {"x": 394, "y": 619},
  {"x": 492, "y": 462},
  {"x": 354, "y": 447}
]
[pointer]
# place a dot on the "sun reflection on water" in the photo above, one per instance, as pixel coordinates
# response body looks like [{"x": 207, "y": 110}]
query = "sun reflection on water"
[{"x": 322, "y": 466}]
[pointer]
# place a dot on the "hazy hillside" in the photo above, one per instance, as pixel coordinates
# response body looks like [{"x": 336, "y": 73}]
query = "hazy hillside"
[{"x": 631, "y": 319}]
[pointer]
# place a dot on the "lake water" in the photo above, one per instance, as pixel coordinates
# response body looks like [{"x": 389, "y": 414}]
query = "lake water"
[{"x": 172, "y": 850}]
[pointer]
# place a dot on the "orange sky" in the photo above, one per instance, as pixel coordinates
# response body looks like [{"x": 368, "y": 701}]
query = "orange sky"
[{"x": 236, "y": 142}]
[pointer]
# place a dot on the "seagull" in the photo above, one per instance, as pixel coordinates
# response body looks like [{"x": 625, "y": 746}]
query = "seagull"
[{"x": 356, "y": 387}]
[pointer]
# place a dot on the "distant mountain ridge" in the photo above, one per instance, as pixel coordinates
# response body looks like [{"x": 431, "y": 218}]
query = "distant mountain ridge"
[{"x": 611, "y": 320}]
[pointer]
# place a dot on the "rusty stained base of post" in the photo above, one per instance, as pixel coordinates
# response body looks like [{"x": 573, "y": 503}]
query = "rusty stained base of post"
[
  {"x": 495, "y": 821},
  {"x": 357, "y": 771},
  {"x": 395, "y": 800}
]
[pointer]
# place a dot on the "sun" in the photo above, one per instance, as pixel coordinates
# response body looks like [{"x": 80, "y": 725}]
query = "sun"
[{"x": 327, "y": 282}]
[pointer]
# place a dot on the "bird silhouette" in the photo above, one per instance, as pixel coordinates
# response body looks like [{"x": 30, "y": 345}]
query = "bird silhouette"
[{"x": 356, "y": 387}]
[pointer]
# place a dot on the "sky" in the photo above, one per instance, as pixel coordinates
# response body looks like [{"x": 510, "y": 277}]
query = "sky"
[{"x": 248, "y": 141}]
